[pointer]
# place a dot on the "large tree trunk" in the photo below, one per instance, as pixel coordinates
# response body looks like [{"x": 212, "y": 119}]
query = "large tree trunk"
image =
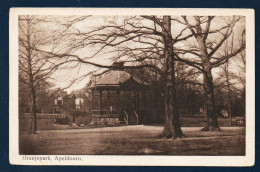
[
  {"x": 212, "y": 124},
  {"x": 172, "y": 128}
]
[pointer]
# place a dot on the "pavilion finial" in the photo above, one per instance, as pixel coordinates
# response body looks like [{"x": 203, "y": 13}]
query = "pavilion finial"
[{"x": 118, "y": 65}]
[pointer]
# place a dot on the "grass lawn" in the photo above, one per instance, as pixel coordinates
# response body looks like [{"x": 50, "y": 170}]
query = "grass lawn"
[{"x": 133, "y": 140}]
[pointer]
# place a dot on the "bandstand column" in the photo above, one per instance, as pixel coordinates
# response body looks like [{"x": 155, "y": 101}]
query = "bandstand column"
[
  {"x": 118, "y": 101},
  {"x": 144, "y": 104},
  {"x": 100, "y": 101},
  {"x": 137, "y": 100},
  {"x": 92, "y": 102}
]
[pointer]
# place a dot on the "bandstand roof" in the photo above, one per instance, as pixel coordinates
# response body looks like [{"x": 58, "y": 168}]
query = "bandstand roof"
[{"x": 115, "y": 78}]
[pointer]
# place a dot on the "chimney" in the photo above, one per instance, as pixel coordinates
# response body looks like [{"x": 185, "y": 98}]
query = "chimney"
[{"x": 118, "y": 65}]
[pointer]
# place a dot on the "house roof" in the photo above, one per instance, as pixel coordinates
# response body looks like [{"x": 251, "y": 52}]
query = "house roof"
[
  {"x": 69, "y": 96},
  {"x": 115, "y": 78},
  {"x": 80, "y": 95},
  {"x": 59, "y": 93}
]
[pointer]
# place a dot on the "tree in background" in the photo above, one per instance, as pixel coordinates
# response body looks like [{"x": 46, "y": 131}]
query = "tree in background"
[
  {"x": 231, "y": 85},
  {"x": 188, "y": 88}
]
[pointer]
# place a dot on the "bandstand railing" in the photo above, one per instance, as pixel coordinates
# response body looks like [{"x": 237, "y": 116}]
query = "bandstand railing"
[
  {"x": 136, "y": 117},
  {"x": 126, "y": 117},
  {"x": 105, "y": 113}
]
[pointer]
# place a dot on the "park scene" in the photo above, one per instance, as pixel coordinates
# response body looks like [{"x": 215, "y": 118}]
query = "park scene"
[{"x": 132, "y": 85}]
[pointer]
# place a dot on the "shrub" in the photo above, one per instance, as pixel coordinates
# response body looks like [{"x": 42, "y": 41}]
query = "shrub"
[{"x": 63, "y": 121}]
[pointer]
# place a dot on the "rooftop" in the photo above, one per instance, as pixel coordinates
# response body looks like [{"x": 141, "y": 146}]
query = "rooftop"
[{"x": 115, "y": 77}]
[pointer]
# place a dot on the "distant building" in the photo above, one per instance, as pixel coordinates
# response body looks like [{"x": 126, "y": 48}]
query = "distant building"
[
  {"x": 56, "y": 101},
  {"x": 82, "y": 102}
]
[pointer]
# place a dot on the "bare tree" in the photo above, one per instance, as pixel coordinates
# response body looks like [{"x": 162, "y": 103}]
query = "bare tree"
[
  {"x": 34, "y": 67},
  {"x": 188, "y": 88},
  {"x": 207, "y": 52},
  {"x": 241, "y": 64},
  {"x": 226, "y": 73},
  {"x": 227, "y": 77}
]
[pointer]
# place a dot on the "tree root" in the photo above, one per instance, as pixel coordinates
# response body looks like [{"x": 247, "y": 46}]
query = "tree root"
[
  {"x": 167, "y": 134},
  {"x": 211, "y": 128}
]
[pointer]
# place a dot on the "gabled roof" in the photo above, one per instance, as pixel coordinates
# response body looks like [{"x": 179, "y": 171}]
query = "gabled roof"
[
  {"x": 115, "y": 78},
  {"x": 80, "y": 95},
  {"x": 58, "y": 93},
  {"x": 70, "y": 96}
]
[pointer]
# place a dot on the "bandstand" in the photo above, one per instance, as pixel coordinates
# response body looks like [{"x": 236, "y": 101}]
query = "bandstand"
[{"x": 117, "y": 98}]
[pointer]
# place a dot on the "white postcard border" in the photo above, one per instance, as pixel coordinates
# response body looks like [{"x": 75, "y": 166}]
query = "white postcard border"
[{"x": 135, "y": 160}]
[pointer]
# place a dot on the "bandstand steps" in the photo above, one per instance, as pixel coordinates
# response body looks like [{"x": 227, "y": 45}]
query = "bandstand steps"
[{"x": 132, "y": 119}]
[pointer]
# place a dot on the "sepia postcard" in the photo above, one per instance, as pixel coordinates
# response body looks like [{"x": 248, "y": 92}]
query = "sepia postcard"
[{"x": 132, "y": 87}]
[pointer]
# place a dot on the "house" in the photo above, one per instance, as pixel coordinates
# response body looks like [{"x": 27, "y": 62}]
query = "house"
[
  {"x": 56, "y": 102},
  {"x": 82, "y": 102}
]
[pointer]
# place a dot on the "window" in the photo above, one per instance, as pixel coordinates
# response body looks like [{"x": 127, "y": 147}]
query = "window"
[{"x": 60, "y": 102}]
